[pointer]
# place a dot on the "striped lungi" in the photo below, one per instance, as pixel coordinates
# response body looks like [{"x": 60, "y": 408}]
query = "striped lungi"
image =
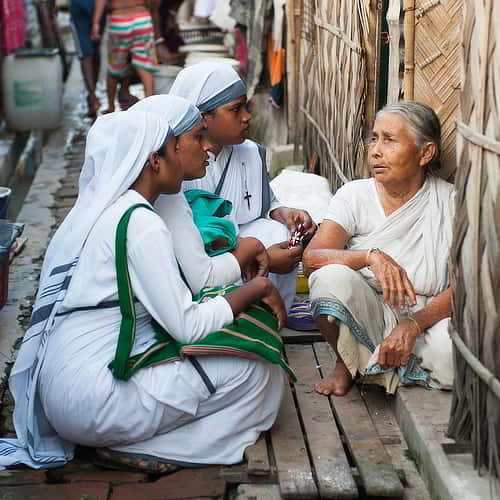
[{"x": 131, "y": 42}]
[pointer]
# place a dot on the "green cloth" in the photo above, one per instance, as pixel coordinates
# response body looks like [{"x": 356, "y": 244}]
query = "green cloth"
[
  {"x": 252, "y": 334},
  {"x": 208, "y": 212}
]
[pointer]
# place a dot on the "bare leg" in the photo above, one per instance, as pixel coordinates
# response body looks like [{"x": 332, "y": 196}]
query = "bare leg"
[
  {"x": 147, "y": 81},
  {"x": 96, "y": 64},
  {"x": 112, "y": 83},
  {"x": 90, "y": 77},
  {"x": 339, "y": 382},
  {"x": 125, "y": 98}
]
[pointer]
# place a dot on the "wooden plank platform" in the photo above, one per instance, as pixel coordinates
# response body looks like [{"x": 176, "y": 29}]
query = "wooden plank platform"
[
  {"x": 328, "y": 448},
  {"x": 333, "y": 472},
  {"x": 298, "y": 337},
  {"x": 295, "y": 476},
  {"x": 374, "y": 464}
]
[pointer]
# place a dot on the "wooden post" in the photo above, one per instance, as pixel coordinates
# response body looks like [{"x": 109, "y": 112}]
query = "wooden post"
[
  {"x": 393, "y": 13},
  {"x": 292, "y": 51},
  {"x": 409, "y": 30},
  {"x": 372, "y": 51}
]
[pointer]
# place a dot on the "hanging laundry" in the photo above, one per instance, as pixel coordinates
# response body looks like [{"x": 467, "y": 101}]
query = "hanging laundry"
[
  {"x": 11, "y": 25},
  {"x": 276, "y": 56}
]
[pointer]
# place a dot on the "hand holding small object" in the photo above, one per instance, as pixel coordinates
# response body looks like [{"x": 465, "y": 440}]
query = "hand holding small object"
[{"x": 298, "y": 236}]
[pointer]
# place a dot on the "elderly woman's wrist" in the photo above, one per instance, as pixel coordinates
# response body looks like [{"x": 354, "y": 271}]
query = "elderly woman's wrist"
[
  {"x": 369, "y": 253},
  {"x": 416, "y": 326}
]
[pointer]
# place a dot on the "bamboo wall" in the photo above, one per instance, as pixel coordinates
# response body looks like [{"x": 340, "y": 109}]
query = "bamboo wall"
[
  {"x": 475, "y": 256},
  {"x": 433, "y": 70},
  {"x": 333, "y": 66},
  {"x": 328, "y": 83}
]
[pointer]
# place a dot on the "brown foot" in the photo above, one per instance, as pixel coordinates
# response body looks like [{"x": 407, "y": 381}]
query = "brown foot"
[
  {"x": 338, "y": 383},
  {"x": 115, "y": 460},
  {"x": 109, "y": 110},
  {"x": 94, "y": 105},
  {"x": 126, "y": 100}
]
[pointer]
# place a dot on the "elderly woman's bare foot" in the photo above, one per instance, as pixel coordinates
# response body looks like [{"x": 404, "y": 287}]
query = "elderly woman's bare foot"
[{"x": 338, "y": 383}]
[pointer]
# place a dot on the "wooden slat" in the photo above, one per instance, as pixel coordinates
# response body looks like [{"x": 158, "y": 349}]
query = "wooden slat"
[
  {"x": 391, "y": 436},
  {"x": 382, "y": 416},
  {"x": 296, "y": 336},
  {"x": 294, "y": 471},
  {"x": 238, "y": 474},
  {"x": 374, "y": 465},
  {"x": 333, "y": 471},
  {"x": 258, "y": 458}
]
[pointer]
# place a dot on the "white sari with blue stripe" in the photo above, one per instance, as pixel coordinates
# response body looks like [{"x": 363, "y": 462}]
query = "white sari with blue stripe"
[
  {"x": 418, "y": 237},
  {"x": 109, "y": 170}
]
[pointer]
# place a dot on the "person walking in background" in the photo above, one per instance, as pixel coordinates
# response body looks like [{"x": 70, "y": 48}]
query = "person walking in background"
[
  {"x": 130, "y": 43},
  {"x": 81, "y": 13}
]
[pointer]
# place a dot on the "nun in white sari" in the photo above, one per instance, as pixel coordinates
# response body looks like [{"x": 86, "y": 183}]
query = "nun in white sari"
[
  {"x": 199, "y": 269},
  {"x": 378, "y": 265},
  {"x": 238, "y": 168},
  {"x": 65, "y": 389}
]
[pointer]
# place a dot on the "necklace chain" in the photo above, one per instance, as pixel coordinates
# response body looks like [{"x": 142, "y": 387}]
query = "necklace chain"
[{"x": 247, "y": 195}]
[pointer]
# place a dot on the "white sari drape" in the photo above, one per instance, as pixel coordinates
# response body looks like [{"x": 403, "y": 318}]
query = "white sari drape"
[
  {"x": 108, "y": 171},
  {"x": 418, "y": 237}
]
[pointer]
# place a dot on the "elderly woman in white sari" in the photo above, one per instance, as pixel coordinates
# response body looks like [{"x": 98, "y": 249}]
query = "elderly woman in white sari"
[
  {"x": 378, "y": 264},
  {"x": 109, "y": 358}
]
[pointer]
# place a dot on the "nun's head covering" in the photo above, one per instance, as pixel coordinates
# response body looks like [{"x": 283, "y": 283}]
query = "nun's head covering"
[
  {"x": 118, "y": 145},
  {"x": 209, "y": 85},
  {"x": 181, "y": 114}
]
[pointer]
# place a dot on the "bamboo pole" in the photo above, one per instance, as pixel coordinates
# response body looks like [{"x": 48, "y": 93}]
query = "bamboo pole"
[
  {"x": 477, "y": 180},
  {"x": 394, "y": 35},
  {"x": 409, "y": 31},
  {"x": 475, "y": 365},
  {"x": 291, "y": 68},
  {"x": 372, "y": 54}
]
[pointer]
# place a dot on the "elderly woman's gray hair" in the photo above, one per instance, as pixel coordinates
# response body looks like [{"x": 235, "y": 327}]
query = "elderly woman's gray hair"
[{"x": 424, "y": 123}]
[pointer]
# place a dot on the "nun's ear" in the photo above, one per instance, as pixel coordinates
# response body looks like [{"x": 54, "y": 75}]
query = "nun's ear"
[{"x": 154, "y": 161}]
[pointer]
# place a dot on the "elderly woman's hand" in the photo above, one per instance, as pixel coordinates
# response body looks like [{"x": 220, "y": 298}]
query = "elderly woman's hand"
[
  {"x": 396, "y": 349},
  {"x": 393, "y": 279}
]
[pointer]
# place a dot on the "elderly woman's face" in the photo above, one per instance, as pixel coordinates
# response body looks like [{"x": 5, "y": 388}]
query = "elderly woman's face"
[{"x": 393, "y": 155}]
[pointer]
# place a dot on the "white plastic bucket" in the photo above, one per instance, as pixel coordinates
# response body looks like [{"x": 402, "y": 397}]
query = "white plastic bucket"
[
  {"x": 5, "y": 193},
  {"x": 216, "y": 48},
  {"x": 32, "y": 82},
  {"x": 196, "y": 57},
  {"x": 164, "y": 77}
]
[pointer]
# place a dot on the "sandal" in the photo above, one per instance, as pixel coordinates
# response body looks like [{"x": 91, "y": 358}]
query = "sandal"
[
  {"x": 109, "y": 459},
  {"x": 300, "y": 317}
]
